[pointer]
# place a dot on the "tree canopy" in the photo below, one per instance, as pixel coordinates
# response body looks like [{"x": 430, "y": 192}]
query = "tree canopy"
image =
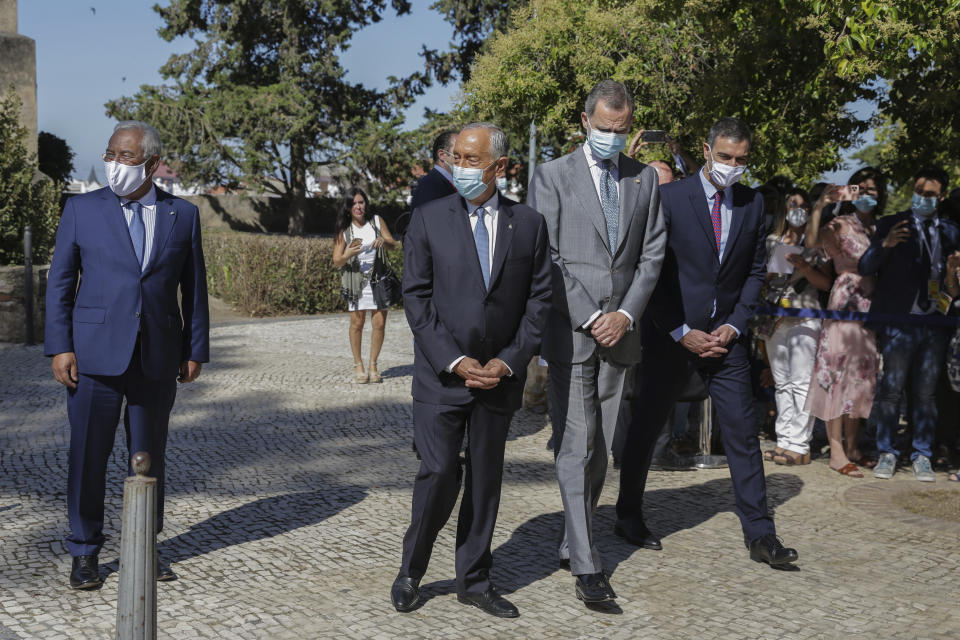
[
  {"x": 54, "y": 157},
  {"x": 263, "y": 98},
  {"x": 25, "y": 196}
]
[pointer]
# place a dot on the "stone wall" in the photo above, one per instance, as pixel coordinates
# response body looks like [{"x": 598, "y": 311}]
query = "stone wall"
[
  {"x": 12, "y": 309},
  {"x": 18, "y": 66}
]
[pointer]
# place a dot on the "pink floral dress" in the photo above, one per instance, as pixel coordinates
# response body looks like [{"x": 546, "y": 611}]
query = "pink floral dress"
[{"x": 845, "y": 373}]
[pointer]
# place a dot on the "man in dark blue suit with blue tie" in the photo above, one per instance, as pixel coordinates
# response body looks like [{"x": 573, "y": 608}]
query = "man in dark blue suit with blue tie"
[
  {"x": 121, "y": 333},
  {"x": 476, "y": 292},
  {"x": 708, "y": 289}
]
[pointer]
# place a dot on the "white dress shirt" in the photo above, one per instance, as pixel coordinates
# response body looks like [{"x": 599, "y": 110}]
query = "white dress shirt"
[
  {"x": 490, "y": 222},
  {"x": 726, "y": 215},
  {"x": 148, "y": 208},
  {"x": 593, "y": 162}
]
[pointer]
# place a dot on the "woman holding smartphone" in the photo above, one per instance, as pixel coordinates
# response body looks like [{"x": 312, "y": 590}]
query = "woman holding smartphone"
[{"x": 359, "y": 234}]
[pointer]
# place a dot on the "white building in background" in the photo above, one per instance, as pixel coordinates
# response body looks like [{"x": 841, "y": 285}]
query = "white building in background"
[
  {"x": 84, "y": 186},
  {"x": 169, "y": 180}
]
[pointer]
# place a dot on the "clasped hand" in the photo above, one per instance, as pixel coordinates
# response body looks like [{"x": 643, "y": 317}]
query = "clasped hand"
[
  {"x": 481, "y": 377},
  {"x": 709, "y": 345},
  {"x": 609, "y": 328}
]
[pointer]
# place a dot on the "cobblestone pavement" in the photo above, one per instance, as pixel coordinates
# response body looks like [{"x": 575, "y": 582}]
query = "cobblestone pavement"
[{"x": 289, "y": 492}]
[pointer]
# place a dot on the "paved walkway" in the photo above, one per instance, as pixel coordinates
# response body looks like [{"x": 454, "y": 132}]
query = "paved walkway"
[{"x": 289, "y": 492}]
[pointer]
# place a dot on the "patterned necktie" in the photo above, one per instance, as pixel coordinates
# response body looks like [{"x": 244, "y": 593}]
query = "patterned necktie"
[
  {"x": 610, "y": 203},
  {"x": 482, "y": 239},
  {"x": 138, "y": 232},
  {"x": 715, "y": 217}
]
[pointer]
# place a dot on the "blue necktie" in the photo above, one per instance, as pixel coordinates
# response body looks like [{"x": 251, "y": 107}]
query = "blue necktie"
[
  {"x": 482, "y": 239},
  {"x": 138, "y": 232},
  {"x": 610, "y": 203}
]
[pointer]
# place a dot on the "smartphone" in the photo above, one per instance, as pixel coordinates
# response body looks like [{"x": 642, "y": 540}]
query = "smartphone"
[
  {"x": 849, "y": 192},
  {"x": 654, "y": 135}
]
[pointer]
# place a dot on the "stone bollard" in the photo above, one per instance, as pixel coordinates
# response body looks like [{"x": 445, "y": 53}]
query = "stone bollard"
[{"x": 137, "y": 593}]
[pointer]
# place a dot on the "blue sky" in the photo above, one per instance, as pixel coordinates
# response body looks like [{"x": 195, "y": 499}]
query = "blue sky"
[{"x": 85, "y": 58}]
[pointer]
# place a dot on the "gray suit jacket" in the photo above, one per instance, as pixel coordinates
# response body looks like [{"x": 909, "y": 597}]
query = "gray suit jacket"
[{"x": 586, "y": 276}]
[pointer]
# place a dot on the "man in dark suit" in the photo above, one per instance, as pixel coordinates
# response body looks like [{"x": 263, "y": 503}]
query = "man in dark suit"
[
  {"x": 708, "y": 289},
  {"x": 121, "y": 335},
  {"x": 607, "y": 243},
  {"x": 438, "y": 182},
  {"x": 476, "y": 291},
  {"x": 908, "y": 255}
]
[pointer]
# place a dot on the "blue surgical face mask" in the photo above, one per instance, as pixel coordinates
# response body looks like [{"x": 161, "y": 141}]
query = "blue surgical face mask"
[
  {"x": 923, "y": 207},
  {"x": 502, "y": 184},
  {"x": 865, "y": 203},
  {"x": 606, "y": 144},
  {"x": 469, "y": 182}
]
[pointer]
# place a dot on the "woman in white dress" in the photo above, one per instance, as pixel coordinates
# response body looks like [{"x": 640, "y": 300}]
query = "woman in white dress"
[{"x": 359, "y": 234}]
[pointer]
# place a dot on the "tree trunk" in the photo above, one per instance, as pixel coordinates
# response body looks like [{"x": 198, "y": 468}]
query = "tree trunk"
[{"x": 298, "y": 189}]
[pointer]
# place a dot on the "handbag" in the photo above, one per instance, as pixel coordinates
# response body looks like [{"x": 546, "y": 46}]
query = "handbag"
[{"x": 384, "y": 282}]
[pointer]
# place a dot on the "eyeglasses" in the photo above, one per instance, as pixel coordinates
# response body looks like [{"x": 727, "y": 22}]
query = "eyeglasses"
[{"x": 124, "y": 158}]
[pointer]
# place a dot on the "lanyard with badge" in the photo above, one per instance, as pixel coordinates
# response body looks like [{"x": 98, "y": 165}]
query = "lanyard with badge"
[{"x": 932, "y": 247}]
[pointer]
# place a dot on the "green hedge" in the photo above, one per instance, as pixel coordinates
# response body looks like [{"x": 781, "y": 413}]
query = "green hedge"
[{"x": 272, "y": 275}]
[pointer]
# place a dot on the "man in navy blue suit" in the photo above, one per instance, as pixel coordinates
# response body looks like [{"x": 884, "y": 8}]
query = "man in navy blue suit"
[
  {"x": 121, "y": 334},
  {"x": 708, "y": 289},
  {"x": 476, "y": 292},
  {"x": 908, "y": 255},
  {"x": 438, "y": 182}
]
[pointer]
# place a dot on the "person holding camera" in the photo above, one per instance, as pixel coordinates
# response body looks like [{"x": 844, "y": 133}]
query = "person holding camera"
[
  {"x": 845, "y": 372},
  {"x": 360, "y": 236},
  {"x": 794, "y": 281}
]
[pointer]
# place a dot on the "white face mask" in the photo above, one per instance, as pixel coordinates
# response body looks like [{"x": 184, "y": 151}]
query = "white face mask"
[
  {"x": 123, "y": 178},
  {"x": 798, "y": 216},
  {"x": 724, "y": 175}
]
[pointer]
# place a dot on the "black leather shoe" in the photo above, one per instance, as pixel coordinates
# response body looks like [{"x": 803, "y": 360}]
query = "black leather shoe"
[
  {"x": 767, "y": 548},
  {"x": 491, "y": 602},
  {"x": 85, "y": 573},
  {"x": 405, "y": 593},
  {"x": 164, "y": 572},
  {"x": 565, "y": 564},
  {"x": 638, "y": 535},
  {"x": 594, "y": 587}
]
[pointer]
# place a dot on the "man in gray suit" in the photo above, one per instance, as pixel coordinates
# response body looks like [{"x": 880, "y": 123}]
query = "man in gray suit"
[{"x": 607, "y": 242}]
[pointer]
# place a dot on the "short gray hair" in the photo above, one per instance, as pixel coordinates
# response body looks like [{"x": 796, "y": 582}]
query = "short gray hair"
[
  {"x": 733, "y": 128},
  {"x": 498, "y": 139},
  {"x": 150, "y": 144},
  {"x": 614, "y": 94}
]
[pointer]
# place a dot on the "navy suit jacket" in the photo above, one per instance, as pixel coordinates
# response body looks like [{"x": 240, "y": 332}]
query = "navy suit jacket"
[
  {"x": 431, "y": 186},
  {"x": 99, "y": 320},
  {"x": 692, "y": 277},
  {"x": 452, "y": 314},
  {"x": 902, "y": 271}
]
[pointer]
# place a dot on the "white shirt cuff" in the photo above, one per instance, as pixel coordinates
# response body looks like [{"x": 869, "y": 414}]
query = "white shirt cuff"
[
  {"x": 586, "y": 325},
  {"x": 679, "y": 332},
  {"x": 629, "y": 317},
  {"x": 453, "y": 365},
  {"x": 727, "y": 324}
]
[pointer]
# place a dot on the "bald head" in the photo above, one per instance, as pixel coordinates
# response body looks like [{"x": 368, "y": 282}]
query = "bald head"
[{"x": 664, "y": 172}]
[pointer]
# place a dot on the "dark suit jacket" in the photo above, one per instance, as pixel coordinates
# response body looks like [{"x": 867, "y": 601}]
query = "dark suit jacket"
[
  {"x": 452, "y": 314},
  {"x": 902, "y": 271},
  {"x": 692, "y": 277},
  {"x": 431, "y": 186},
  {"x": 100, "y": 320}
]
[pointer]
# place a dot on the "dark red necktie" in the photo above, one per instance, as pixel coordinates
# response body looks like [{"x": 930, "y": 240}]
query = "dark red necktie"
[{"x": 715, "y": 217}]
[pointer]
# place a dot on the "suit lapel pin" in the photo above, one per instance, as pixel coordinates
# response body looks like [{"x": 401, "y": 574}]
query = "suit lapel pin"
[
  {"x": 637, "y": 180},
  {"x": 172, "y": 212},
  {"x": 509, "y": 226}
]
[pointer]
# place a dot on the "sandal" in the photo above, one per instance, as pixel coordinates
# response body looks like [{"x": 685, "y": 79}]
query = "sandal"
[
  {"x": 849, "y": 469},
  {"x": 954, "y": 477},
  {"x": 359, "y": 375},
  {"x": 792, "y": 458},
  {"x": 769, "y": 454},
  {"x": 374, "y": 374}
]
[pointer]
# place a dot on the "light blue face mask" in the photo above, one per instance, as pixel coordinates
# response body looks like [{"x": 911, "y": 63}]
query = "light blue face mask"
[
  {"x": 606, "y": 144},
  {"x": 923, "y": 207},
  {"x": 865, "y": 203},
  {"x": 469, "y": 182},
  {"x": 502, "y": 184}
]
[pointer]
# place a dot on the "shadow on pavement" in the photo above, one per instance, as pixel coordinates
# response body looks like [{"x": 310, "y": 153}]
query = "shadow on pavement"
[{"x": 530, "y": 554}]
